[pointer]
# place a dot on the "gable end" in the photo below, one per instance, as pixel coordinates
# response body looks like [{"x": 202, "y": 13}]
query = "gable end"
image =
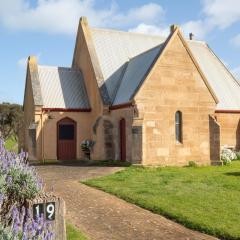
[
  {"x": 83, "y": 30},
  {"x": 33, "y": 78},
  {"x": 176, "y": 32}
]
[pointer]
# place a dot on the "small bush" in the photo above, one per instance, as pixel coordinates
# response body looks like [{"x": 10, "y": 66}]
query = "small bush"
[
  {"x": 228, "y": 155},
  {"x": 6, "y": 233},
  {"x": 192, "y": 164}
]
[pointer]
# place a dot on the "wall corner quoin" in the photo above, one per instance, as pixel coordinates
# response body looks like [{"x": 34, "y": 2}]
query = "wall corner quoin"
[
  {"x": 105, "y": 110},
  {"x": 214, "y": 137},
  {"x": 137, "y": 140}
]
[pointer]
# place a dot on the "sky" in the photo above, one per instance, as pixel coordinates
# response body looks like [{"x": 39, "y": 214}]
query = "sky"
[{"x": 47, "y": 29}]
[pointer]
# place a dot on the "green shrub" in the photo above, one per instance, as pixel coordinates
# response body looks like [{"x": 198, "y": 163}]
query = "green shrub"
[
  {"x": 238, "y": 155},
  {"x": 192, "y": 164},
  {"x": 6, "y": 233},
  {"x": 21, "y": 185}
]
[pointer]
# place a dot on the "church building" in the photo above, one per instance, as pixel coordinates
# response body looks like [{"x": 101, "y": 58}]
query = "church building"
[{"x": 145, "y": 99}]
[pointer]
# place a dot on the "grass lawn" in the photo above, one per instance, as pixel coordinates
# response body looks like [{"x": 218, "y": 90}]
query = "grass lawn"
[
  {"x": 202, "y": 198},
  {"x": 73, "y": 233}
]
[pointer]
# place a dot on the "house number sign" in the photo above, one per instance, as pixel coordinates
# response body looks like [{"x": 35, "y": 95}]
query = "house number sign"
[{"x": 45, "y": 209}]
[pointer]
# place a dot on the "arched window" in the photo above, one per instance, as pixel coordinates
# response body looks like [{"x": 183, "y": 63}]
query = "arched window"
[{"x": 178, "y": 126}]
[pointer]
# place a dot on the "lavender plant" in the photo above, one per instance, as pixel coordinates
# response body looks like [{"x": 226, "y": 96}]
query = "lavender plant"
[
  {"x": 25, "y": 228},
  {"x": 19, "y": 182}
]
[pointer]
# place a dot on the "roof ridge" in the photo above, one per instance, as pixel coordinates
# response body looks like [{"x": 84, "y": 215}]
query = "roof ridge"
[
  {"x": 127, "y": 32},
  {"x": 142, "y": 34},
  {"x": 59, "y": 67},
  {"x": 196, "y": 41}
]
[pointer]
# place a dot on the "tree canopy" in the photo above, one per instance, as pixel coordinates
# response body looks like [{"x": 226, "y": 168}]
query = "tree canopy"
[{"x": 11, "y": 119}]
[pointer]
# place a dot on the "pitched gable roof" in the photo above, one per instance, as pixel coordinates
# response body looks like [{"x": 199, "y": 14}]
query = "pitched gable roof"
[
  {"x": 136, "y": 70},
  {"x": 116, "y": 49},
  {"x": 221, "y": 80},
  {"x": 125, "y": 58},
  {"x": 62, "y": 88}
]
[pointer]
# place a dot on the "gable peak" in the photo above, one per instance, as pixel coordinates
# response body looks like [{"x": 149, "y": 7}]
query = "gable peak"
[
  {"x": 173, "y": 28},
  {"x": 84, "y": 20}
]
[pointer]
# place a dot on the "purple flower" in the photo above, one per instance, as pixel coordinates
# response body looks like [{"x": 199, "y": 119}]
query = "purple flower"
[
  {"x": 20, "y": 178},
  {"x": 1, "y": 197}
]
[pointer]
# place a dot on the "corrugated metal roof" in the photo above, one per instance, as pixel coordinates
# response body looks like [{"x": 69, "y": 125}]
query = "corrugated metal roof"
[
  {"x": 62, "y": 88},
  {"x": 221, "y": 80},
  {"x": 115, "y": 49},
  {"x": 135, "y": 73}
]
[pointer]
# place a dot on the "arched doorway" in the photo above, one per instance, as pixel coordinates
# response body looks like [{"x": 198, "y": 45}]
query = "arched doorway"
[
  {"x": 122, "y": 129},
  {"x": 66, "y": 139}
]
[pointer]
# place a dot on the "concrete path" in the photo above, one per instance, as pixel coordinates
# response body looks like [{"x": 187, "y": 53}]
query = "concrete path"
[{"x": 102, "y": 216}]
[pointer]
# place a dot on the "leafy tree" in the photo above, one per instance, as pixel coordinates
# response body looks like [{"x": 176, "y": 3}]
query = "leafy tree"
[{"x": 11, "y": 120}]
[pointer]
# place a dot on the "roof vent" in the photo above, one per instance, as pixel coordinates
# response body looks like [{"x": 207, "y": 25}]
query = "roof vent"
[{"x": 191, "y": 35}]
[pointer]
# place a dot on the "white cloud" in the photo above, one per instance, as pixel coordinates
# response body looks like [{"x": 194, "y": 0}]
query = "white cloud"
[
  {"x": 236, "y": 40},
  {"x": 61, "y": 16},
  {"x": 22, "y": 62},
  {"x": 222, "y": 13},
  {"x": 199, "y": 28},
  {"x": 150, "y": 13},
  {"x": 54, "y": 16},
  {"x": 150, "y": 29},
  {"x": 195, "y": 27},
  {"x": 218, "y": 14}
]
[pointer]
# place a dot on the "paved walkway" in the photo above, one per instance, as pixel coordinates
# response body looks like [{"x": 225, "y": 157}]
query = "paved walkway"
[{"x": 102, "y": 216}]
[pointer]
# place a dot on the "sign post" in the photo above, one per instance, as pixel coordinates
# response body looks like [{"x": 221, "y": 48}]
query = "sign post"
[{"x": 52, "y": 209}]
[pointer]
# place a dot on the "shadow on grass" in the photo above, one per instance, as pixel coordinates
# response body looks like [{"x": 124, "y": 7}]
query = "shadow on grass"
[
  {"x": 83, "y": 163},
  {"x": 236, "y": 174}
]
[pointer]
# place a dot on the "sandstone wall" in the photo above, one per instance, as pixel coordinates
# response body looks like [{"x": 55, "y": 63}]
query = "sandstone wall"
[
  {"x": 174, "y": 85},
  {"x": 230, "y": 129},
  {"x": 107, "y": 135},
  {"x": 28, "y": 140},
  {"x": 49, "y": 132}
]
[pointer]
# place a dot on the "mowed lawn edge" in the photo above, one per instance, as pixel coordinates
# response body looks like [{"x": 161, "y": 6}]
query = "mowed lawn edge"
[
  {"x": 74, "y": 233},
  {"x": 206, "y": 199}
]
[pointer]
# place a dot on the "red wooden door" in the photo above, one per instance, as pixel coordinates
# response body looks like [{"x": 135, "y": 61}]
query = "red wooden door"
[
  {"x": 66, "y": 142},
  {"x": 122, "y": 127}
]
